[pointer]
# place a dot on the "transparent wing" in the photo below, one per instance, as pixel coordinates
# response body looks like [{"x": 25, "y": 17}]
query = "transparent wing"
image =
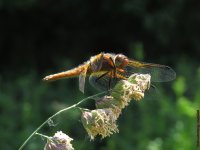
[
  {"x": 159, "y": 73},
  {"x": 82, "y": 77},
  {"x": 102, "y": 83}
]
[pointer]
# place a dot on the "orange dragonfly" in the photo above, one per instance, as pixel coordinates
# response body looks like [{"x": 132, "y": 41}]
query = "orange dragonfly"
[{"x": 106, "y": 69}]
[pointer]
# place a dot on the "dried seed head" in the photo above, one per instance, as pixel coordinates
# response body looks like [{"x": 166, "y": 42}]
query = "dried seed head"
[
  {"x": 142, "y": 80},
  {"x": 104, "y": 102},
  {"x": 133, "y": 88},
  {"x": 60, "y": 141},
  {"x": 109, "y": 102},
  {"x": 99, "y": 122},
  {"x": 124, "y": 91}
]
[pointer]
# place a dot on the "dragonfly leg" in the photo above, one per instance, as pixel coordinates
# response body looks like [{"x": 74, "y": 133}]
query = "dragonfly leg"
[
  {"x": 110, "y": 80},
  {"x": 114, "y": 68},
  {"x": 101, "y": 76},
  {"x": 153, "y": 86}
]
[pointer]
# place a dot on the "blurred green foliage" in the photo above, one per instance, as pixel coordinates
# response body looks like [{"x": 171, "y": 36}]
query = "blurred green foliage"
[{"x": 42, "y": 37}]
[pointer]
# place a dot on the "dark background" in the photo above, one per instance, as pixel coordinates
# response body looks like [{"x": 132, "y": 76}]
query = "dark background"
[{"x": 38, "y": 38}]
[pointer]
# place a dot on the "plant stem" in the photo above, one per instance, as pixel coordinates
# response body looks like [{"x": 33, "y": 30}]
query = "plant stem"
[
  {"x": 42, "y": 135},
  {"x": 65, "y": 109}
]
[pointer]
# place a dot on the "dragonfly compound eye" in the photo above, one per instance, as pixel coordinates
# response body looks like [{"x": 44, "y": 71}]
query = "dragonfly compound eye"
[{"x": 121, "y": 60}]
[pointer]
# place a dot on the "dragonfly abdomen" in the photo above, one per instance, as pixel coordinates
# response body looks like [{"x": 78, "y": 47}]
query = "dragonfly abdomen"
[{"x": 65, "y": 74}]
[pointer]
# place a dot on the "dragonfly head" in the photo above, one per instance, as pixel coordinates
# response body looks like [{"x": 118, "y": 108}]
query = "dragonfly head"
[{"x": 121, "y": 60}]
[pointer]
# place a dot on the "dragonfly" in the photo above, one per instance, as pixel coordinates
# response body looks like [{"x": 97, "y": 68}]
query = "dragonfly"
[{"x": 106, "y": 69}]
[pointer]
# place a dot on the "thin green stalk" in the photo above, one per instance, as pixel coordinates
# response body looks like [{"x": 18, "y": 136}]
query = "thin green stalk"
[
  {"x": 65, "y": 109},
  {"x": 42, "y": 135}
]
